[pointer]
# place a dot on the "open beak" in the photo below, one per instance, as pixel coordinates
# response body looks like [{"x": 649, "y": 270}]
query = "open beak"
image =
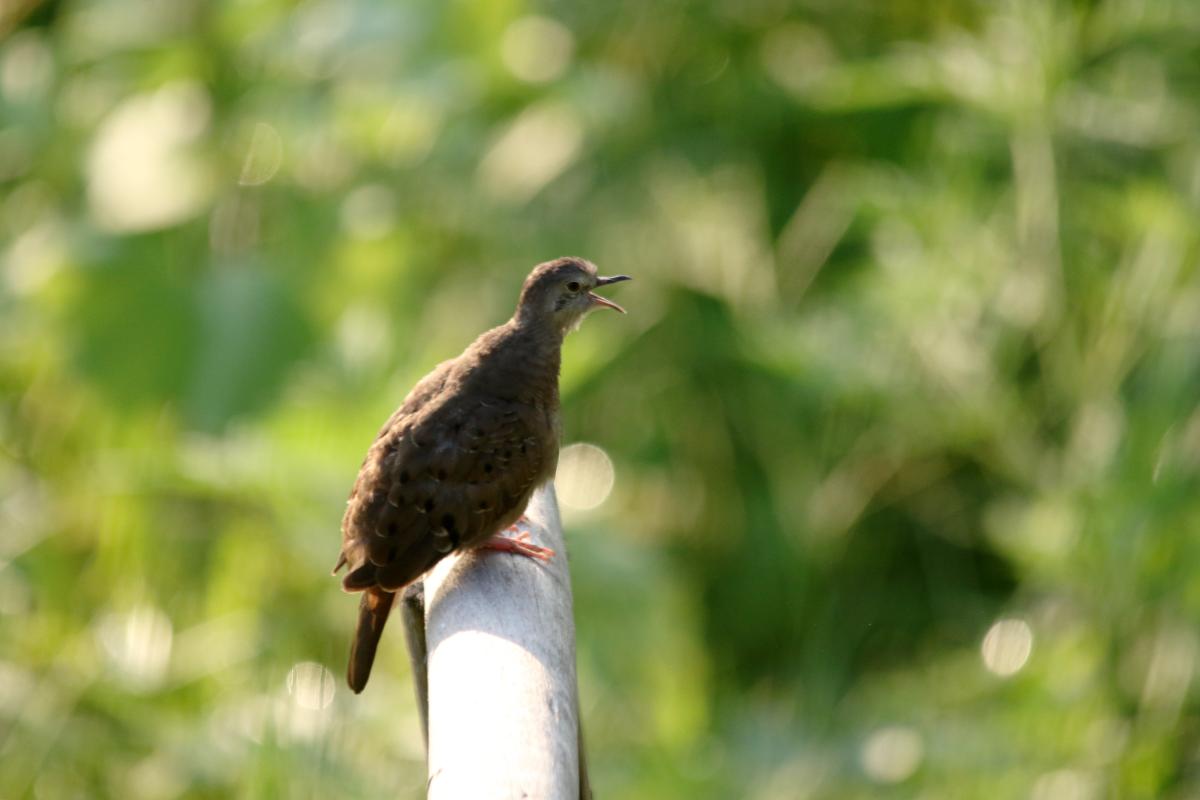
[{"x": 597, "y": 300}]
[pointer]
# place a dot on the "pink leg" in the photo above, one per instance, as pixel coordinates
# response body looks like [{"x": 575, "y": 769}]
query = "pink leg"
[
  {"x": 519, "y": 545},
  {"x": 516, "y": 526}
]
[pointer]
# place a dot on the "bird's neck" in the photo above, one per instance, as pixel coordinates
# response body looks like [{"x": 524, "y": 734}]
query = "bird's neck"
[{"x": 533, "y": 358}]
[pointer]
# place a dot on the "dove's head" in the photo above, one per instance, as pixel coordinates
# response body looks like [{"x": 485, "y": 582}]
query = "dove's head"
[{"x": 559, "y": 293}]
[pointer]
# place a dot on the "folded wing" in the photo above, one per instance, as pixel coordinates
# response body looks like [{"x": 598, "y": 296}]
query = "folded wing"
[{"x": 437, "y": 479}]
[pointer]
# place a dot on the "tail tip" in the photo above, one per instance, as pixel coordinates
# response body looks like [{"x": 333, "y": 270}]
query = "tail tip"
[{"x": 359, "y": 670}]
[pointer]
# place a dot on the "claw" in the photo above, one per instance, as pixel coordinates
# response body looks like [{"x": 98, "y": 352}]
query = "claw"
[{"x": 521, "y": 545}]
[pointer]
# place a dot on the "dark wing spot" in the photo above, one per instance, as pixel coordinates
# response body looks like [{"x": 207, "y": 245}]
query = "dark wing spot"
[
  {"x": 443, "y": 542},
  {"x": 429, "y": 505}
]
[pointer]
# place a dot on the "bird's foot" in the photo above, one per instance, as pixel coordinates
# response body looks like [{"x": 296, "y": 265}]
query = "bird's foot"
[{"x": 520, "y": 544}]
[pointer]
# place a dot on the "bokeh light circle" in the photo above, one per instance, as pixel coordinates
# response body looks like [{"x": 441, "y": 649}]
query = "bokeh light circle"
[
  {"x": 1007, "y": 646},
  {"x": 585, "y": 476}
]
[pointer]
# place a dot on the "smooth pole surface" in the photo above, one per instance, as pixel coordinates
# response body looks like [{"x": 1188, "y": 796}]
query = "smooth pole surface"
[{"x": 503, "y": 697}]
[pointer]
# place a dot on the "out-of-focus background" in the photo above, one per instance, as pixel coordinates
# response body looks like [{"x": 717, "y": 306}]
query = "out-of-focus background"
[{"x": 885, "y": 487}]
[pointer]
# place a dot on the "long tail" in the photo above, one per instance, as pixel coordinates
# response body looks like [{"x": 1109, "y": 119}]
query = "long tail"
[{"x": 372, "y": 615}]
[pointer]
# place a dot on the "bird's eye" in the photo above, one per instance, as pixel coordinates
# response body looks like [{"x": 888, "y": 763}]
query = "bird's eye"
[{"x": 573, "y": 286}]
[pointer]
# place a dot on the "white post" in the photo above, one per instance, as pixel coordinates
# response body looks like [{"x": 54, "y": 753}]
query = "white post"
[{"x": 503, "y": 697}]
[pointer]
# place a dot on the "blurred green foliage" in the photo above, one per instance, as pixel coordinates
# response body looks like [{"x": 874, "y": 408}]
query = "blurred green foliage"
[{"x": 903, "y": 416}]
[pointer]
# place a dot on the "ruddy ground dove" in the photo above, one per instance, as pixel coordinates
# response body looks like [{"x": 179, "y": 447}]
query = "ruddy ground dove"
[{"x": 456, "y": 464}]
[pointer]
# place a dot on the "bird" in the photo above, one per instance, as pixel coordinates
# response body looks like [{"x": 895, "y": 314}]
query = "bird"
[{"x": 454, "y": 466}]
